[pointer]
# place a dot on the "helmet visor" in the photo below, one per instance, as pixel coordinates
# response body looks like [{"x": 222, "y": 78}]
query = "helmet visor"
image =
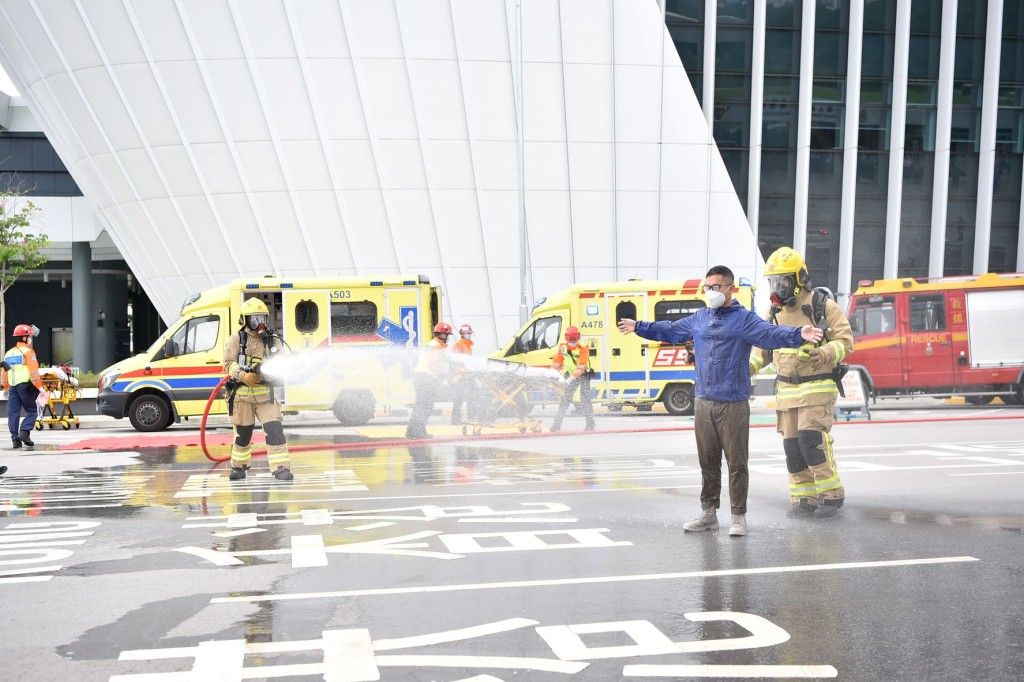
[
  {"x": 782, "y": 286},
  {"x": 254, "y": 322}
]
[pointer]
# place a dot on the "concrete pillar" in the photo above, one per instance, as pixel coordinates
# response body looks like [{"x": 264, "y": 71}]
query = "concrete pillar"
[{"x": 83, "y": 316}]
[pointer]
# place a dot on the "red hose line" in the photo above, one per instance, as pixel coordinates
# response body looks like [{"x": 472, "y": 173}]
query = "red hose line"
[{"x": 202, "y": 424}]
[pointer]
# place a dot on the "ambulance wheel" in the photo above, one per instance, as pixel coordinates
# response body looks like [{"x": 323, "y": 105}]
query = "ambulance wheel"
[
  {"x": 149, "y": 413},
  {"x": 354, "y": 407},
  {"x": 978, "y": 399},
  {"x": 678, "y": 399}
]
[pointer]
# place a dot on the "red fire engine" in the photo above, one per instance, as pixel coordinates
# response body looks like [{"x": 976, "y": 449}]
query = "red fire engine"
[{"x": 941, "y": 337}]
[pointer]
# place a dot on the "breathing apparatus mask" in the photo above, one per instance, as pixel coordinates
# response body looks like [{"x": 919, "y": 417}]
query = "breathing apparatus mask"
[
  {"x": 256, "y": 323},
  {"x": 783, "y": 289}
]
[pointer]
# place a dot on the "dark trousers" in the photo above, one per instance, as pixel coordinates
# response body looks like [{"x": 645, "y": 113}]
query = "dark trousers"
[
  {"x": 18, "y": 397},
  {"x": 723, "y": 427},
  {"x": 426, "y": 391},
  {"x": 464, "y": 392},
  {"x": 583, "y": 383}
]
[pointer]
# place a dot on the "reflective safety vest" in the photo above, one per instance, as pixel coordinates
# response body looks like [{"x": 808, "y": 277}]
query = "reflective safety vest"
[
  {"x": 432, "y": 358},
  {"x": 573, "y": 360},
  {"x": 24, "y": 367}
]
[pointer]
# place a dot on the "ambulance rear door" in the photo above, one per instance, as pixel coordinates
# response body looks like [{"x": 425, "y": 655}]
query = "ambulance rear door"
[
  {"x": 627, "y": 365},
  {"x": 405, "y": 323},
  {"x": 306, "y": 322}
]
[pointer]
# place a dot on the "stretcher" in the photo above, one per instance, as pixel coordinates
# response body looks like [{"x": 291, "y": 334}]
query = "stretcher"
[
  {"x": 61, "y": 388},
  {"x": 497, "y": 397}
]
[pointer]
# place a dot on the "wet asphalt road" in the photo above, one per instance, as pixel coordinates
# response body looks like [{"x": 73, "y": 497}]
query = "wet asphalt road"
[{"x": 530, "y": 559}]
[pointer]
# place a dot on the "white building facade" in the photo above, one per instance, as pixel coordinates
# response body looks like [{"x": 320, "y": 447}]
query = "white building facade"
[{"x": 221, "y": 138}]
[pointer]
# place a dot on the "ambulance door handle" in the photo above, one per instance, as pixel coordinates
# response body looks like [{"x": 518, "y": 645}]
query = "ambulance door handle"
[
  {"x": 643, "y": 349},
  {"x": 212, "y": 362},
  {"x": 616, "y": 352}
]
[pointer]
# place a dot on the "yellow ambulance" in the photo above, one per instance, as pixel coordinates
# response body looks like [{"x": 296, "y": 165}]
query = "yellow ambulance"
[
  {"x": 629, "y": 370},
  {"x": 377, "y": 317}
]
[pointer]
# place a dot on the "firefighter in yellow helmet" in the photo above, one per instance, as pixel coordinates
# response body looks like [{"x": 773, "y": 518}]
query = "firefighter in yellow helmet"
[
  {"x": 250, "y": 397},
  {"x": 807, "y": 385}
]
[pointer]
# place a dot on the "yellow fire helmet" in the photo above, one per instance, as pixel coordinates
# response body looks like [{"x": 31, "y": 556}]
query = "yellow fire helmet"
[
  {"x": 253, "y": 306},
  {"x": 787, "y": 274}
]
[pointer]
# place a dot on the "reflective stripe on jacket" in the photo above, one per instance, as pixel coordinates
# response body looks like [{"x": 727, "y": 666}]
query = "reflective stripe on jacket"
[
  {"x": 573, "y": 360},
  {"x": 24, "y": 367},
  {"x": 255, "y": 352},
  {"x": 797, "y": 362}
]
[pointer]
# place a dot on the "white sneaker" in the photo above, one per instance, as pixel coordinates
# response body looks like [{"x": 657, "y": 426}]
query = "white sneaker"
[
  {"x": 708, "y": 520},
  {"x": 739, "y": 525}
]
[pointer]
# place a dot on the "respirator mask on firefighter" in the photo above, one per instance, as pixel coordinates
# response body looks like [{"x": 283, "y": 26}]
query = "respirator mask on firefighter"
[
  {"x": 783, "y": 289},
  {"x": 257, "y": 323}
]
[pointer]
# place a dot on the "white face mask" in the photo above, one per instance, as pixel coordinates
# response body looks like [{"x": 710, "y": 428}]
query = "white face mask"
[{"x": 716, "y": 299}]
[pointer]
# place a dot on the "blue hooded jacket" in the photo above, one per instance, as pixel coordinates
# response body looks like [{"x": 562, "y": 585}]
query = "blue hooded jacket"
[{"x": 722, "y": 341}]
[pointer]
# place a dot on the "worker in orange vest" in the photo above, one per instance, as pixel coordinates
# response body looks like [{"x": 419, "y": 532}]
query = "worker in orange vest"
[
  {"x": 462, "y": 383},
  {"x": 572, "y": 361}
]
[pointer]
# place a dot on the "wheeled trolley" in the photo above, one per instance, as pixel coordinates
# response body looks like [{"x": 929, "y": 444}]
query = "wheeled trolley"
[
  {"x": 62, "y": 389},
  {"x": 500, "y": 398}
]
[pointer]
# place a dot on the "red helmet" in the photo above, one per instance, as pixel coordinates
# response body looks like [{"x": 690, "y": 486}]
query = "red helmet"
[
  {"x": 442, "y": 328},
  {"x": 572, "y": 334},
  {"x": 465, "y": 330},
  {"x": 25, "y": 330}
]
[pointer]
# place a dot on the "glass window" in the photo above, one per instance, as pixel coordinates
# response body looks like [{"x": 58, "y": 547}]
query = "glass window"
[
  {"x": 782, "y": 52},
  {"x": 783, "y": 13},
  {"x": 829, "y": 53},
  {"x": 928, "y": 313},
  {"x": 873, "y": 315},
  {"x": 195, "y": 336},
  {"x": 676, "y": 310},
  {"x": 880, "y": 15},
  {"x": 307, "y": 317},
  {"x": 544, "y": 333},
  {"x": 625, "y": 310},
  {"x": 353, "y": 319}
]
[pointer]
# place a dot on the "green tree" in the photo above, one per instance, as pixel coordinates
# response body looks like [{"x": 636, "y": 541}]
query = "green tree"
[{"x": 20, "y": 249}]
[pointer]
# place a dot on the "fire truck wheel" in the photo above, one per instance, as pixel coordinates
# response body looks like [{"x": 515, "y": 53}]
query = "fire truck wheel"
[
  {"x": 678, "y": 399},
  {"x": 150, "y": 413},
  {"x": 979, "y": 399},
  {"x": 1013, "y": 398}
]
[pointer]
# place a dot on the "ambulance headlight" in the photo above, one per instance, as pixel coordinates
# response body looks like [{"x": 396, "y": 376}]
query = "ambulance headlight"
[{"x": 107, "y": 380}]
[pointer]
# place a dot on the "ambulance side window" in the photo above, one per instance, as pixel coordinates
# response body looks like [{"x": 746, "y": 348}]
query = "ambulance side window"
[
  {"x": 676, "y": 310},
  {"x": 928, "y": 313},
  {"x": 195, "y": 336},
  {"x": 353, "y": 319},
  {"x": 626, "y": 309},
  {"x": 544, "y": 333},
  {"x": 873, "y": 315}
]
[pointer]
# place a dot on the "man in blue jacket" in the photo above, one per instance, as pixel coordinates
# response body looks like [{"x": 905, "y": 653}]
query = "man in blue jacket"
[{"x": 723, "y": 334}]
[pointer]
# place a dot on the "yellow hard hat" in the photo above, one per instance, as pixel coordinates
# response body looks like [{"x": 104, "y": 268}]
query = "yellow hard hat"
[
  {"x": 787, "y": 261},
  {"x": 252, "y": 306}
]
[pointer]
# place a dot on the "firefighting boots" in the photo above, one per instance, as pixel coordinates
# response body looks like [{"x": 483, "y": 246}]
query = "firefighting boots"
[
  {"x": 283, "y": 474},
  {"x": 828, "y": 508},
  {"x": 708, "y": 520},
  {"x": 237, "y": 474},
  {"x": 26, "y": 439}
]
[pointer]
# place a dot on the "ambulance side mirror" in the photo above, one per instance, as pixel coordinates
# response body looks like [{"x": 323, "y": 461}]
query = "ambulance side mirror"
[{"x": 168, "y": 351}]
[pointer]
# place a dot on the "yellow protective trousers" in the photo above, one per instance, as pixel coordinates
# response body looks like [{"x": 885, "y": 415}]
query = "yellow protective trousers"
[{"x": 809, "y": 456}]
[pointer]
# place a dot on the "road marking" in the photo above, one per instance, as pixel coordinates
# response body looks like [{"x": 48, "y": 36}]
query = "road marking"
[
  {"x": 236, "y": 533},
  {"x": 432, "y": 497},
  {"x": 990, "y": 473},
  {"x": 743, "y": 671},
  {"x": 591, "y": 581}
]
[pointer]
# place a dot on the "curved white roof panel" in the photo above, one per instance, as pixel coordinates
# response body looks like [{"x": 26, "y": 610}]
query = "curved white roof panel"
[{"x": 219, "y": 138}]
